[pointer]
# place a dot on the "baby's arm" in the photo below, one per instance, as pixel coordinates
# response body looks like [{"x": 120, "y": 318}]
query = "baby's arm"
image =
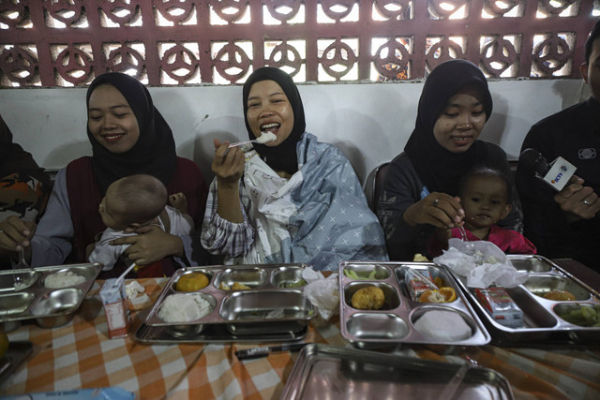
[{"x": 179, "y": 201}]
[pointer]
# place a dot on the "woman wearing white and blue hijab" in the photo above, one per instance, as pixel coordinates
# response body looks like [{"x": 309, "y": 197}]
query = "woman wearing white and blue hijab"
[{"x": 290, "y": 200}]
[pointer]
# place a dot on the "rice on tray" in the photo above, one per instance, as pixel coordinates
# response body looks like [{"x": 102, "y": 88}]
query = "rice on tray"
[
  {"x": 63, "y": 279},
  {"x": 183, "y": 308}
]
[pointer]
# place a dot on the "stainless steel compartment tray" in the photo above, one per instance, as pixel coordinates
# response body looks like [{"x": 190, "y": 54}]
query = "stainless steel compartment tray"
[
  {"x": 541, "y": 320},
  {"x": 214, "y": 333},
  {"x": 327, "y": 372},
  {"x": 266, "y": 310},
  {"x": 395, "y": 322},
  {"x": 33, "y": 300}
]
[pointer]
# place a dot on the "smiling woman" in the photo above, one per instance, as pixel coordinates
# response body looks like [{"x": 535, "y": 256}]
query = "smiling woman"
[
  {"x": 128, "y": 136},
  {"x": 421, "y": 184},
  {"x": 290, "y": 200}
]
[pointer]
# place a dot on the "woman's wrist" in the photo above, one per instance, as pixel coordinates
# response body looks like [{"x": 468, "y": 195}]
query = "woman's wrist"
[
  {"x": 408, "y": 217},
  {"x": 177, "y": 247}
]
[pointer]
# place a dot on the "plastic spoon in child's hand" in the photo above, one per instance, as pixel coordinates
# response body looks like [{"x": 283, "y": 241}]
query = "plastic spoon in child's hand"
[{"x": 265, "y": 137}]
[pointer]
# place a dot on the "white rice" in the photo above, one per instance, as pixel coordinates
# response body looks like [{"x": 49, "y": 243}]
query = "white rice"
[
  {"x": 63, "y": 279},
  {"x": 183, "y": 308},
  {"x": 443, "y": 325}
]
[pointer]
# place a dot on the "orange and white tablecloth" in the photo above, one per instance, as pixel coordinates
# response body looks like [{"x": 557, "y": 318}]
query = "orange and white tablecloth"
[{"x": 80, "y": 355}]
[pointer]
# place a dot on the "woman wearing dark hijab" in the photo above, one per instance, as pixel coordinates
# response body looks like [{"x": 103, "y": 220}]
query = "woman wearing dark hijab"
[
  {"x": 128, "y": 136},
  {"x": 290, "y": 200},
  {"x": 421, "y": 184}
]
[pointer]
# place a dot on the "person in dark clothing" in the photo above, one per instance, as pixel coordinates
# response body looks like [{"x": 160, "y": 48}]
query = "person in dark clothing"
[
  {"x": 24, "y": 186},
  {"x": 566, "y": 224},
  {"x": 421, "y": 185}
]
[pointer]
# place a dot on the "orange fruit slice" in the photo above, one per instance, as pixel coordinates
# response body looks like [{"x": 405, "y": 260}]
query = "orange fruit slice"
[
  {"x": 448, "y": 293},
  {"x": 445, "y": 294}
]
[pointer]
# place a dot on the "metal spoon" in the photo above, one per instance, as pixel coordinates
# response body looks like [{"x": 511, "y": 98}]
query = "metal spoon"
[
  {"x": 21, "y": 264},
  {"x": 265, "y": 137}
]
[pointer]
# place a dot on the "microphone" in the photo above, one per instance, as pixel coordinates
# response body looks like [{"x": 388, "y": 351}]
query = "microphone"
[{"x": 556, "y": 174}]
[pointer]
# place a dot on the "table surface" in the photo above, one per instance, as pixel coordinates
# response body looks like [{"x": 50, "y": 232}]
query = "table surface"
[{"x": 80, "y": 355}]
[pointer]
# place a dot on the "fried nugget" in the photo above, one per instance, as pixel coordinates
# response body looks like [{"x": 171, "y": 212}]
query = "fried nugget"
[{"x": 368, "y": 298}]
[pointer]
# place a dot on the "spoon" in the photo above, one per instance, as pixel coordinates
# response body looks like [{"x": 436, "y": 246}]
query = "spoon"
[
  {"x": 265, "y": 137},
  {"x": 18, "y": 279},
  {"x": 121, "y": 277}
]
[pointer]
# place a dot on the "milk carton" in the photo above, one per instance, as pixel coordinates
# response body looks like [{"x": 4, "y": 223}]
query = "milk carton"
[{"x": 113, "y": 296}]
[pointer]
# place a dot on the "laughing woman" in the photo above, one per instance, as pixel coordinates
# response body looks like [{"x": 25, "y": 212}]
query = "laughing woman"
[{"x": 290, "y": 200}]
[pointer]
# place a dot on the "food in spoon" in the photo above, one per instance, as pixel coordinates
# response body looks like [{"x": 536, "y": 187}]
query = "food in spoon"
[
  {"x": 368, "y": 298},
  {"x": 266, "y": 137}
]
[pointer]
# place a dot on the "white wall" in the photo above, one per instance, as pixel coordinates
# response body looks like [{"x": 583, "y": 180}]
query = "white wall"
[{"x": 369, "y": 122}]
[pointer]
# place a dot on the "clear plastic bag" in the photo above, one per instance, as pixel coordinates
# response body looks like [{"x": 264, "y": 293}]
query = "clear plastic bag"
[{"x": 482, "y": 263}]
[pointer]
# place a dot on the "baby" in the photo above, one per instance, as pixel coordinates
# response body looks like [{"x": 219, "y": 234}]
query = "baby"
[
  {"x": 485, "y": 195},
  {"x": 132, "y": 202}
]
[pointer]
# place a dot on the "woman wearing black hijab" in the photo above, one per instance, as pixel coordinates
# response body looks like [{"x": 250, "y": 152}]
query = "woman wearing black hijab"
[
  {"x": 421, "y": 184},
  {"x": 128, "y": 136},
  {"x": 290, "y": 200}
]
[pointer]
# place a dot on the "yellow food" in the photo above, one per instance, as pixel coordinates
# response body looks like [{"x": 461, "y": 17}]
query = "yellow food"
[
  {"x": 418, "y": 257},
  {"x": 239, "y": 286},
  {"x": 3, "y": 343},
  {"x": 368, "y": 298},
  {"x": 445, "y": 294},
  {"x": 235, "y": 286},
  {"x": 559, "y": 295},
  {"x": 439, "y": 282},
  {"x": 192, "y": 282}
]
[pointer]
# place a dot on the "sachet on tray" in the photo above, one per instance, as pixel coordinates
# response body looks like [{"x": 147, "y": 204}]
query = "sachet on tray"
[{"x": 482, "y": 263}]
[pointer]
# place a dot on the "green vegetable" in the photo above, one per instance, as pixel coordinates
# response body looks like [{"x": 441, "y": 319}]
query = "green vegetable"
[
  {"x": 582, "y": 316},
  {"x": 350, "y": 273},
  {"x": 289, "y": 285}
]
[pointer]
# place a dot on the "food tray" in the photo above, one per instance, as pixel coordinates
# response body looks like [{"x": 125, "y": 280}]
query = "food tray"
[
  {"x": 394, "y": 323},
  {"x": 32, "y": 300},
  {"x": 540, "y": 315},
  {"x": 16, "y": 354},
  {"x": 266, "y": 310},
  {"x": 214, "y": 333},
  {"x": 327, "y": 372}
]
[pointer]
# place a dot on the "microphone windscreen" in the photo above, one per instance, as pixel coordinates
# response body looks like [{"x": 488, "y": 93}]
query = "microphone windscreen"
[{"x": 532, "y": 160}]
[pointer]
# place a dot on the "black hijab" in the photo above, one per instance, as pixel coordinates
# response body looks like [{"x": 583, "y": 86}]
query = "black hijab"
[
  {"x": 439, "y": 169},
  {"x": 282, "y": 157},
  {"x": 154, "y": 152}
]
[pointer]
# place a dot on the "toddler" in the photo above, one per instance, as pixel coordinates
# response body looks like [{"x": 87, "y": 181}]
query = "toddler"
[
  {"x": 132, "y": 202},
  {"x": 486, "y": 197}
]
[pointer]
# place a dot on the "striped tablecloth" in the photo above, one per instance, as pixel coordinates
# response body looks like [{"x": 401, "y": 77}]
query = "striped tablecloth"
[{"x": 80, "y": 355}]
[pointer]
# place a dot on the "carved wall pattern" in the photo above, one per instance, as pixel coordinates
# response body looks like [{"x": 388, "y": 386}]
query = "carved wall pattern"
[{"x": 186, "y": 42}]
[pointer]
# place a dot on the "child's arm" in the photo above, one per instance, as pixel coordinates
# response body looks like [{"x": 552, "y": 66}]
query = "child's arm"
[{"x": 179, "y": 201}]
